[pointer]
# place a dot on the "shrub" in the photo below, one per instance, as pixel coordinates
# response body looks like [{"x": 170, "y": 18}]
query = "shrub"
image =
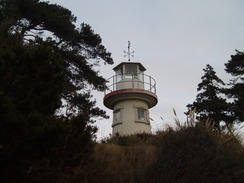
[
  {"x": 129, "y": 140},
  {"x": 195, "y": 154}
]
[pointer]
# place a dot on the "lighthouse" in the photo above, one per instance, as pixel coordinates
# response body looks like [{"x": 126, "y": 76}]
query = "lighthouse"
[{"x": 130, "y": 94}]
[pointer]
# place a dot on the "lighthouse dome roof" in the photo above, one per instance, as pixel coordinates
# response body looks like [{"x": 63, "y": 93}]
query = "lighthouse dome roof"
[{"x": 141, "y": 67}]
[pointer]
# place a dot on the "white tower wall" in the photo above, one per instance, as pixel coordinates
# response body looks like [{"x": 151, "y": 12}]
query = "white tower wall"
[{"x": 129, "y": 121}]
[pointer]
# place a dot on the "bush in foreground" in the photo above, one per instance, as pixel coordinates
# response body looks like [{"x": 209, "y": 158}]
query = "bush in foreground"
[{"x": 196, "y": 154}]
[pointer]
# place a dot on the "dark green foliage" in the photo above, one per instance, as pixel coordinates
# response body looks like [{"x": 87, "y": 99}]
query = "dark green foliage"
[
  {"x": 46, "y": 64},
  {"x": 209, "y": 104},
  {"x": 192, "y": 155},
  {"x": 75, "y": 51},
  {"x": 38, "y": 150},
  {"x": 235, "y": 67},
  {"x": 27, "y": 73}
]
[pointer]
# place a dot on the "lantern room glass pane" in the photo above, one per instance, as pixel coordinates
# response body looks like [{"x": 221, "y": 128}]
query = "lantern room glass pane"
[
  {"x": 140, "y": 75},
  {"x": 119, "y": 74},
  {"x": 130, "y": 70}
]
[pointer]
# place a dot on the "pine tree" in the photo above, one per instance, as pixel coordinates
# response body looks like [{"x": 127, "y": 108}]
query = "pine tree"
[
  {"x": 209, "y": 104},
  {"x": 45, "y": 60},
  {"x": 235, "y": 67}
]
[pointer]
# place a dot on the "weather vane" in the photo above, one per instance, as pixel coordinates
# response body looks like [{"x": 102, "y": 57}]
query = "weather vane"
[{"x": 128, "y": 53}]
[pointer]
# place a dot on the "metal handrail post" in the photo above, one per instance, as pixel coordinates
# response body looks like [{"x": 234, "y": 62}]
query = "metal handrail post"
[
  {"x": 150, "y": 84},
  {"x": 113, "y": 82},
  {"x": 132, "y": 80}
]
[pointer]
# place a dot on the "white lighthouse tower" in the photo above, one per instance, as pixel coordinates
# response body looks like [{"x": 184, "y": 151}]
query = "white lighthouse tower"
[{"x": 130, "y": 95}]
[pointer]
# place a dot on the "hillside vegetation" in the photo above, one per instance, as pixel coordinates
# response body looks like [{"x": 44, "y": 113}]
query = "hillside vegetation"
[
  {"x": 48, "y": 71},
  {"x": 189, "y": 154}
]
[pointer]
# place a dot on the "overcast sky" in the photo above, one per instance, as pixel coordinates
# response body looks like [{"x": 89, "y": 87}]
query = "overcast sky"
[{"x": 173, "y": 39}]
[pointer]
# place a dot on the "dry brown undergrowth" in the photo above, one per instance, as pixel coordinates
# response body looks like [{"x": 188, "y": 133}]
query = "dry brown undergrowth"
[{"x": 120, "y": 163}]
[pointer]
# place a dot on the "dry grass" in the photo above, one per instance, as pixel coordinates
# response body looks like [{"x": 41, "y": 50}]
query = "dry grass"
[{"x": 113, "y": 163}]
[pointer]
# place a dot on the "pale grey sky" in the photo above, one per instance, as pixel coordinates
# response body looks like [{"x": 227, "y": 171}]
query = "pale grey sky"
[{"x": 173, "y": 39}]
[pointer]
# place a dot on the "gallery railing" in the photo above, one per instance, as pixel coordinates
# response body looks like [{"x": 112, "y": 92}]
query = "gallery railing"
[{"x": 127, "y": 81}]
